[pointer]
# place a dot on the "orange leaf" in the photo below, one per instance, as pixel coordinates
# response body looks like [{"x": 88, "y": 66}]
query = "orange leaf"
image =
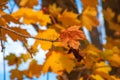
[
  {"x": 13, "y": 35},
  {"x": 16, "y": 74},
  {"x": 91, "y": 3},
  {"x": 33, "y": 70},
  {"x": 71, "y": 36}
]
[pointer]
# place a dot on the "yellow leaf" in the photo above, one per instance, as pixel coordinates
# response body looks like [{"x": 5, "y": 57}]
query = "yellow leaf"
[
  {"x": 54, "y": 10},
  {"x": 28, "y": 3},
  {"x": 69, "y": 18},
  {"x": 49, "y": 34},
  {"x": 30, "y": 16},
  {"x": 105, "y": 75},
  {"x": 58, "y": 62},
  {"x": 102, "y": 67},
  {"x": 97, "y": 77},
  {"x": 114, "y": 60},
  {"x": 89, "y": 18}
]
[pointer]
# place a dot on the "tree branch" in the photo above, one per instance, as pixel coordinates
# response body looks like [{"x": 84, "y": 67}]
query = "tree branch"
[
  {"x": 27, "y": 48},
  {"x": 27, "y": 36}
]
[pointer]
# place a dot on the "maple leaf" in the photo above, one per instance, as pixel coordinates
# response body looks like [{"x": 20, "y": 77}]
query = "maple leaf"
[
  {"x": 12, "y": 59},
  {"x": 49, "y": 34},
  {"x": 108, "y": 14},
  {"x": 69, "y": 18},
  {"x": 91, "y": 3},
  {"x": 15, "y": 73},
  {"x": 102, "y": 67},
  {"x": 97, "y": 77},
  {"x": 13, "y": 35},
  {"x": 30, "y": 16},
  {"x": 33, "y": 70},
  {"x": 25, "y": 57},
  {"x": 58, "y": 62},
  {"x": 89, "y": 18},
  {"x": 71, "y": 36},
  {"x": 114, "y": 60},
  {"x": 54, "y": 10},
  {"x": 28, "y": 3},
  {"x": 91, "y": 55}
]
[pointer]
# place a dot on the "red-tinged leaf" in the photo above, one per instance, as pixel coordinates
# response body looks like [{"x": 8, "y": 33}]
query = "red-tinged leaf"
[{"x": 71, "y": 37}]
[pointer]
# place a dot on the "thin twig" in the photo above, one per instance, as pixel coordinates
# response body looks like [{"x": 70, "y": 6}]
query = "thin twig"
[
  {"x": 27, "y": 36},
  {"x": 27, "y": 48},
  {"x": 53, "y": 19}
]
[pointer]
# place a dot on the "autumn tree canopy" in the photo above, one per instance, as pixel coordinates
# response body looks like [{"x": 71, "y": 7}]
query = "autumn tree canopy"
[{"x": 70, "y": 55}]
